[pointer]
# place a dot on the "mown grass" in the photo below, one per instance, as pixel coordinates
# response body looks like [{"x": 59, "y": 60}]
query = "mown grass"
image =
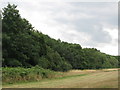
[
  {"x": 98, "y": 79},
  {"x": 51, "y": 79},
  {"x": 64, "y": 77},
  {"x": 25, "y": 75}
]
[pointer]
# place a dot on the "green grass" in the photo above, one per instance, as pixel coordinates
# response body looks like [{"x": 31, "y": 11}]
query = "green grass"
[
  {"x": 64, "y": 77},
  {"x": 84, "y": 79}
]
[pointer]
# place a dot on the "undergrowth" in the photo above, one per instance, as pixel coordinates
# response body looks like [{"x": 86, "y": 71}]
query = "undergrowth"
[{"x": 12, "y": 75}]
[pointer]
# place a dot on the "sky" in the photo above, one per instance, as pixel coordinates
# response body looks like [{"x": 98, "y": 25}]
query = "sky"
[{"x": 90, "y": 24}]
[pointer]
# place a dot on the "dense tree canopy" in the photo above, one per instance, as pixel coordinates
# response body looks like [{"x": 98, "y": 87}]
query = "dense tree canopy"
[{"x": 26, "y": 47}]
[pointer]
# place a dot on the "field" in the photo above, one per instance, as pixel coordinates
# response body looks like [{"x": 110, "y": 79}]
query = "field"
[{"x": 106, "y": 78}]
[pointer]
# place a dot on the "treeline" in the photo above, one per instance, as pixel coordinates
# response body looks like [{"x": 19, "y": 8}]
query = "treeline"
[{"x": 23, "y": 46}]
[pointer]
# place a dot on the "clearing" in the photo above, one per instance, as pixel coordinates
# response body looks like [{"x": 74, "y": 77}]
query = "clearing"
[{"x": 106, "y": 78}]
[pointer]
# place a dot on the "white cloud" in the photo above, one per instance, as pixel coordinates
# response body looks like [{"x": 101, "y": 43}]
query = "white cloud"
[{"x": 89, "y": 24}]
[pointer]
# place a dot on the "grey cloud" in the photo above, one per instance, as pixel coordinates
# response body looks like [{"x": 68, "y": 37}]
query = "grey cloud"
[
  {"x": 94, "y": 29},
  {"x": 103, "y": 13}
]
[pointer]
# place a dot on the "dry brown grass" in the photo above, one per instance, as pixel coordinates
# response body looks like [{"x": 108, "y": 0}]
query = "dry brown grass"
[{"x": 93, "y": 79}]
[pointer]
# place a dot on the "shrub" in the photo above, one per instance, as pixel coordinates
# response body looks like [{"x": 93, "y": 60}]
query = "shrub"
[{"x": 19, "y": 74}]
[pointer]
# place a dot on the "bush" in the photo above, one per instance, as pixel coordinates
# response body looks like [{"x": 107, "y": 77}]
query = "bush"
[
  {"x": 13, "y": 63},
  {"x": 19, "y": 74},
  {"x": 66, "y": 66}
]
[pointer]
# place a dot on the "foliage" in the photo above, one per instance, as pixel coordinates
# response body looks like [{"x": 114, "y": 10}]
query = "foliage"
[
  {"x": 19, "y": 74},
  {"x": 23, "y": 46}
]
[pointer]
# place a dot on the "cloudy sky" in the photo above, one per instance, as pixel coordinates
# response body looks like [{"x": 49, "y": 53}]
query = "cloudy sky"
[{"x": 90, "y": 24}]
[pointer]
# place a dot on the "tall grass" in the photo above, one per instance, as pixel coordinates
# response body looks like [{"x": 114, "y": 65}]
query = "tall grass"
[{"x": 19, "y": 74}]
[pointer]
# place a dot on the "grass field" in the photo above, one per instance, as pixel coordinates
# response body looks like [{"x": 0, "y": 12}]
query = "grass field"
[{"x": 107, "y": 78}]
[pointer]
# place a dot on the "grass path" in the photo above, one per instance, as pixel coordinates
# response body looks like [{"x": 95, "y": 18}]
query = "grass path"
[{"x": 96, "y": 79}]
